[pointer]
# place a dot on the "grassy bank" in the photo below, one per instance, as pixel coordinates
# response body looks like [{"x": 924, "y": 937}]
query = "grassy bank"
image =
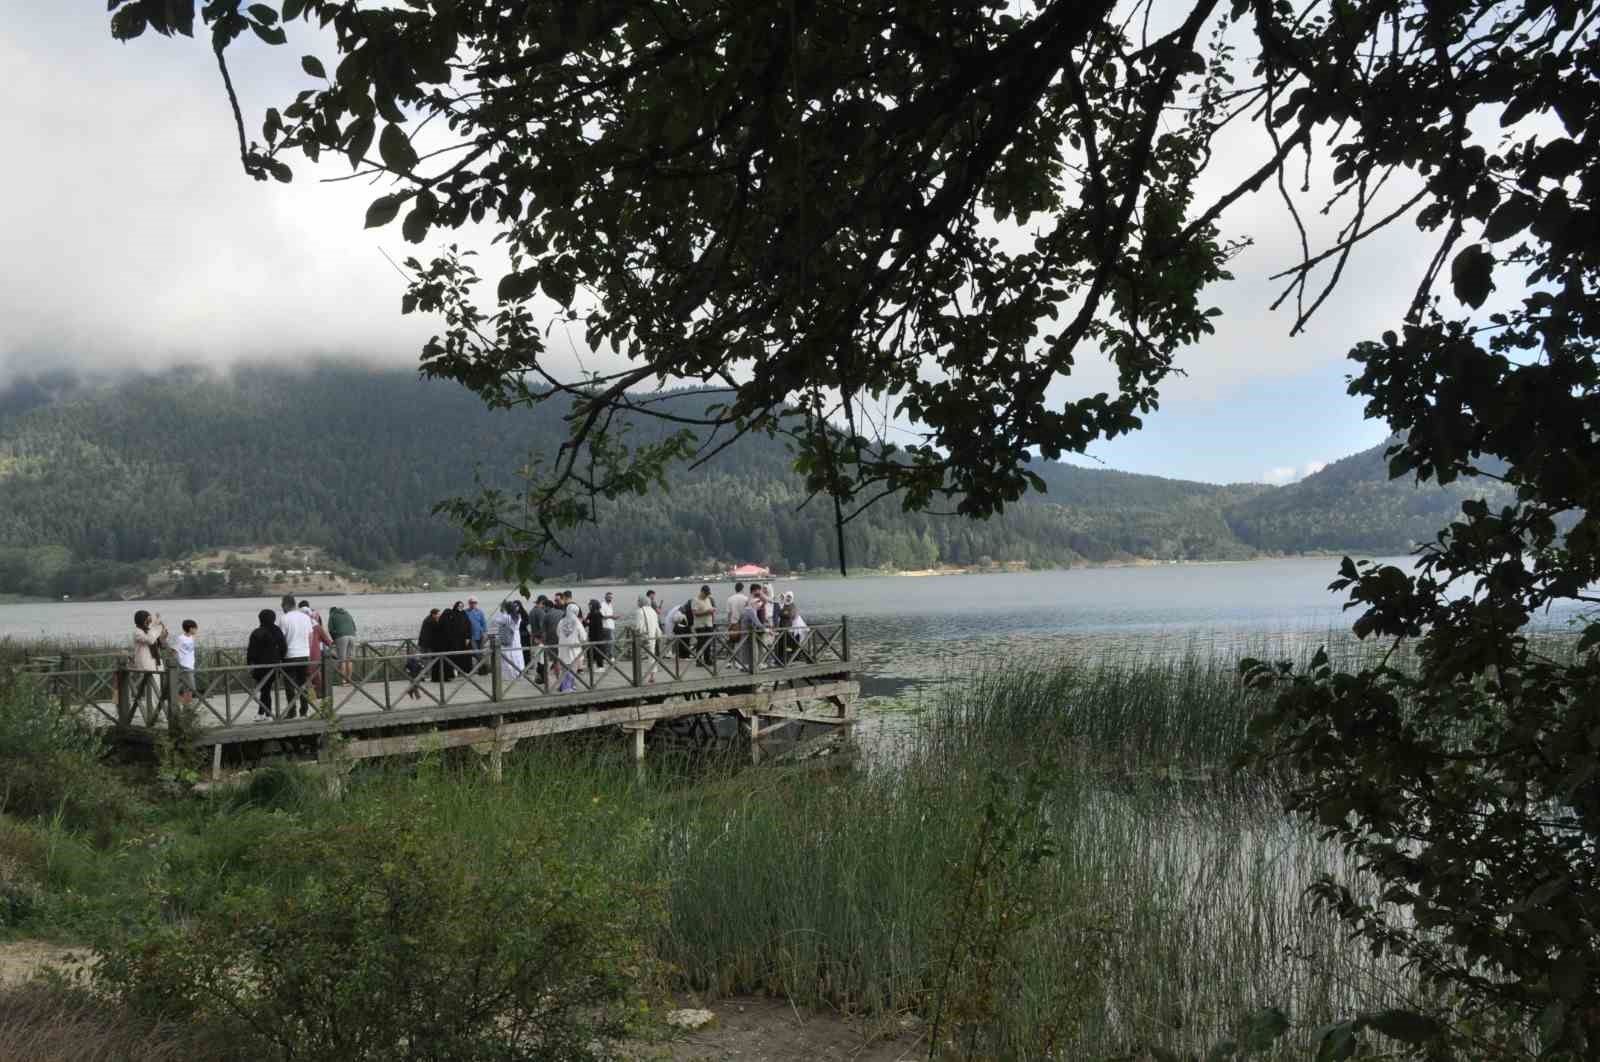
[{"x": 1048, "y": 867}]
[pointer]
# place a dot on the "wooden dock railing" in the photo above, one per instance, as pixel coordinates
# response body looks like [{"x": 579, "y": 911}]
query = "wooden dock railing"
[{"x": 390, "y": 674}]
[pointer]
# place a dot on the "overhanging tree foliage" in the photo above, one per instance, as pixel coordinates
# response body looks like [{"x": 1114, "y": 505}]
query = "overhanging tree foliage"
[{"x": 849, "y": 210}]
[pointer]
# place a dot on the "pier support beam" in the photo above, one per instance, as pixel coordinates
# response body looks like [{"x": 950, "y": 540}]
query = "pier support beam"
[{"x": 637, "y": 730}]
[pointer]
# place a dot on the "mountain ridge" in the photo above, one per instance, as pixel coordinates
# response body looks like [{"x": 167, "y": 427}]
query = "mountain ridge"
[{"x": 101, "y": 477}]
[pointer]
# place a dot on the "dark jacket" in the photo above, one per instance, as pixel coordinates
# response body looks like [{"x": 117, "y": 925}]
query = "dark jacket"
[
  {"x": 596, "y": 623},
  {"x": 455, "y": 631},
  {"x": 428, "y": 636},
  {"x": 267, "y": 647},
  {"x": 550, "y": 621}
]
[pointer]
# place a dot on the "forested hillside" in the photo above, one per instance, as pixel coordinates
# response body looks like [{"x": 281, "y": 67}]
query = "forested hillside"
[
  {"x": 1352, "y": 505},
  {"x": 99, "y": 479}
]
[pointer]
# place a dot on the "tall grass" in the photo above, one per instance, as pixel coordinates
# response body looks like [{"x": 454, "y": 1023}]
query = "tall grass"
[
  {"x": 1172, "y": 909},
  {"x": 1049, "y": 859},
  {"x": 42, "y": 1022}
]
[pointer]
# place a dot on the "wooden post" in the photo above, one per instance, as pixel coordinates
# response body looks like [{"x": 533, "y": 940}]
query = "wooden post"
[
  {"x": 757, "y": 650},
  {"x": 169, "y": 695},
  {"x": 496, "y": 683},
  {"x": 755, "y": 732},
  {"x": 638, "y": 728},
  {"x": 638, "y": 664},
  {"x": 216, "y": 761},
  {"x": 325, "y": 662},
  {"x": 844, "y": 638},
  {"x": 124, "y": 697},
  {"x": 383, "y": 666}
]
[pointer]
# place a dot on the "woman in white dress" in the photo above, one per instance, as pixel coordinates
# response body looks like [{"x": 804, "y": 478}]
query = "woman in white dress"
[
  {"x": 569, "y": 633},
  {"x": 507, "y": 627}
]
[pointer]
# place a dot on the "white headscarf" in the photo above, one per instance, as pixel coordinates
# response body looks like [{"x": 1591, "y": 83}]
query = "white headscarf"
[
  {"x": 796, "y": 623},
  {"x": 570, "y": 629}
]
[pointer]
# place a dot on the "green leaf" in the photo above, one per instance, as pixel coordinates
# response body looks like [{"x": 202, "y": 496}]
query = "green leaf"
[
  {"x": 1336, "y": 1042},
  {"x": 1509, "y": 218},
  {"x": 1570, "y": 975},
  {"x": 280, "y": 171},
  {"x": 1263, "y": 1027},
  {"x": 396, "y": 150},
  {"x": 292, "y": 9},
  {"x": 383, "y": 210},
  {"x": 313, "y": 66},
  {"x": 358, "y": 138},
  {"x": 128, "y": 23},
  {"x": 415, "y": 226},
  {"x": 559, "y": 286},
  {"x": 514, "y": 287},
  {"x": 1404, "y": 1025},
  {"x": 270, "y": 34},
  {"x": 388, "y": 109},
  {"x": 1472, "y": 275},
  {"x": 264, "y": 14}
]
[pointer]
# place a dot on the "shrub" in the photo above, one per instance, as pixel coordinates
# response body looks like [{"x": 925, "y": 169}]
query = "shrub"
[
  {"x": 382, "y": 936},
  {"x": 50, "y": 763},
  {"x": 22, "y": 854}
]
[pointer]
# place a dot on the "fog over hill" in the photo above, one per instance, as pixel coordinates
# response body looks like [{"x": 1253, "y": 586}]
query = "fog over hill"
[{"x": 99, "y": 478}]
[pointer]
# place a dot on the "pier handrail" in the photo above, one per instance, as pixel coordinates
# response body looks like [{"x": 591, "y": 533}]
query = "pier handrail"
[{"x": 380, "y": 677}]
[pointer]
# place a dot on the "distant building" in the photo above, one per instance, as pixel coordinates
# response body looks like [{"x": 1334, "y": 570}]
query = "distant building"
[{"x": 749, "y": 571}]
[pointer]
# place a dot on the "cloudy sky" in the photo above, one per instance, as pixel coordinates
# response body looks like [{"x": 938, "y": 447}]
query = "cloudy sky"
[{"x": 134, "y": 240}]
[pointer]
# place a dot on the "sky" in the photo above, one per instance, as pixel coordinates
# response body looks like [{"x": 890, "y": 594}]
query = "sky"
[{"x": 134, "y": 241}]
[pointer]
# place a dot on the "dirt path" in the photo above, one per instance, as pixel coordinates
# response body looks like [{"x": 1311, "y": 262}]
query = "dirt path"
[
  {"x": 21, "y": 959},
  {"x": 745, "y": 1029},
  {"x": 767, "y": 1030}
]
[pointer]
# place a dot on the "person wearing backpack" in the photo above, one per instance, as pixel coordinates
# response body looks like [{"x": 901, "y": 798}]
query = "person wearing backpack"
[{"x": 342, "y": 629}]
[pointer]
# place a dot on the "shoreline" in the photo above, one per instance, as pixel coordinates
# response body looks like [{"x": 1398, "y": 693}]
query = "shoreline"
[{"x": 1018, "y": 568}]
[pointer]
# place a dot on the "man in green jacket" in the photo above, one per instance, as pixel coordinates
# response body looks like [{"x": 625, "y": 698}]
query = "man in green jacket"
[{"x": 342, "y": 629}]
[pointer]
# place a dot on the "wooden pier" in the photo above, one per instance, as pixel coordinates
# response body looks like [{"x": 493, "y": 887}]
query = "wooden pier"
[{"x": 398, "y": 701}]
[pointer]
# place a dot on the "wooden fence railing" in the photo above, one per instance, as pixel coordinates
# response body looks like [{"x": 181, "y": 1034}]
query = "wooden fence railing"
[{"x": 390, "y": 674}]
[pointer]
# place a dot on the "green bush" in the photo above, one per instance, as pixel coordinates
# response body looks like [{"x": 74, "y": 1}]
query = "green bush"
[
  {"x": 50, "y": 764},
  {"x": 22, "y": 854},
  {"x": 380, "y": 936}
]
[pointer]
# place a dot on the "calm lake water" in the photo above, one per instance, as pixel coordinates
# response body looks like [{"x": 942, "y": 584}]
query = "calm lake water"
[{"x": 904, "y": 631}]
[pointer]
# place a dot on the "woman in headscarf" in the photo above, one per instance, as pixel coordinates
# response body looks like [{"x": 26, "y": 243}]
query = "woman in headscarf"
[
  {"x": 596, "y": 632},
  {"x": 793, "y": 626},
  {"x": 507, "y": 631},
  {"x": 569, "y": 638}
]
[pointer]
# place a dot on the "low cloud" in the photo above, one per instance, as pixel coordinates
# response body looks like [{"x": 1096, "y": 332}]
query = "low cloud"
[{"x": 1284, "y": 474}]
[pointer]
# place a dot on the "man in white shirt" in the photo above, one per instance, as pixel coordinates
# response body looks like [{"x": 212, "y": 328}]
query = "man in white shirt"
[
  {"x": 736, "y": 603},
  {"x": 608, "y": 620},
  {"x": 296, "y": 627}
]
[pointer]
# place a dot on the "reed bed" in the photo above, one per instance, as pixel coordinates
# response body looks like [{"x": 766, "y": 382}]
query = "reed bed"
[{"x": 1167, "y": 909}]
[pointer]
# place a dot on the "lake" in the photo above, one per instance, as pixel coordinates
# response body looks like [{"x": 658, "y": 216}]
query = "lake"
[{"x": 904, "y": 631}]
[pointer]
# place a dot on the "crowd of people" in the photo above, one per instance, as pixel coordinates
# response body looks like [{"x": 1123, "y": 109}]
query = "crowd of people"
[
  {"x": 552, "y": 635},
  {"x": 556, "y": 636},
  {"x": 284, "y": 655}
]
